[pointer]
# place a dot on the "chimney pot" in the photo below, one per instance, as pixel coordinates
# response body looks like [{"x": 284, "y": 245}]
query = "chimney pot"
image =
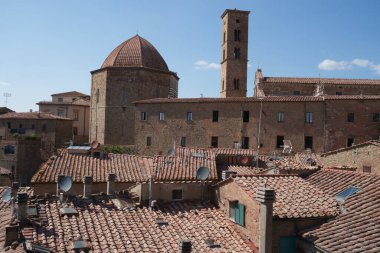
[
  {"x": 111, "y": 178},
  {"x": 266, "y": 197},
  {"x": 87, "y": 186}
]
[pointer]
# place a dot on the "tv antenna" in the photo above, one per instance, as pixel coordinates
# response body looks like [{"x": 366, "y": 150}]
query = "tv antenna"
[
  {"x": 6, "y": 95},
  {"x": 202, "y": 174}
]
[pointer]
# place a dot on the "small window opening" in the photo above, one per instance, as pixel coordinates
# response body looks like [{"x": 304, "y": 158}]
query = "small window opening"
[
  {"x": 215, "y": 116},
  {"x": 245, "y": 116}
]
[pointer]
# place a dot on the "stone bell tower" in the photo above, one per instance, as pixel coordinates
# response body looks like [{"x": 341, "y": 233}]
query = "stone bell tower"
[{"x": 234, "y": 53}]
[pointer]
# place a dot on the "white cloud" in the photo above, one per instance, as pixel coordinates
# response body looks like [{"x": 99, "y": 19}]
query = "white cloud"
[
  {"x": 2, "y": 83},
  {"x": 333, "y": 65},
  {"x": 345, "y": 65},
  {"x": 201, "y": 64},
  {"x": 249, "y": 65},
  {"x": 376, "y": 68}
]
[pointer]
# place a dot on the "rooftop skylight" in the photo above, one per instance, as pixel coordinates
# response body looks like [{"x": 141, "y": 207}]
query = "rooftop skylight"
[{"x": 346, "y": 193}]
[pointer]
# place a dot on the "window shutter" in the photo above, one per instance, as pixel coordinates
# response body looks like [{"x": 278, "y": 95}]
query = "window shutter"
[{"x": 241, "y": 210}]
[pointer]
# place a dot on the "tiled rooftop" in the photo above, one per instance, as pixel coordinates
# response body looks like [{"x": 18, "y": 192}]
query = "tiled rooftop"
[
  {"x": 244, "y": 170},
  {"x": 78, "y": 101},
  {"x": 179, "y": 168},
  {"x": 128, "y": 168},
  {"x": 299, "y": 162},
  {"x": 136, "y": 52},
  {"x": 31, "y": 115},
  {"x": 71, "y": 94},
  {"x": 367, "y": 143},
  {"x": 253, "y": 99},
  {"x": 334, "y": 81},
  {"x": 108, "y": 229},
  {"x": 295, "y": 197},
  {"x": 5, "y": 205},
  {"x": 357, "y": 229}
]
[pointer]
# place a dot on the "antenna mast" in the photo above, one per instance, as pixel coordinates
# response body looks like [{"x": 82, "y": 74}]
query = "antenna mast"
[{"x": 6, "y": 95}]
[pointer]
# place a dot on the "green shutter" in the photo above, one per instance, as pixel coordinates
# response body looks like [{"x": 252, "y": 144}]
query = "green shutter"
[{"x": 241, "y": 210}]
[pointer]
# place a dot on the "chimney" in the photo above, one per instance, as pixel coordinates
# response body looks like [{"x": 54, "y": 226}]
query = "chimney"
[
  {"x": 111, "y": 177},
  {"x": 15, "y": 186},
  {"x": 87, "y": 186},
  {"x": 59, "y": 179},
  {"x": 22, "y": 201},
  {"x": 11, "y": 234},
  {"x": 185, "y": 246},
  {"x": 266, "y": 197}
]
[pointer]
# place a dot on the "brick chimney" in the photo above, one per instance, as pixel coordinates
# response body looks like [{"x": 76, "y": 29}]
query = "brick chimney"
[
  {"x": 59, "y": 179},
  {"x": 266, "y": 197},
  {"x": 87, "y": 186},
  {"x": 11, "y": 234},
  {"x": 22, "y": 202},
  {"x": 111, "y": 178},
  {"x": 185, "y": 246}
]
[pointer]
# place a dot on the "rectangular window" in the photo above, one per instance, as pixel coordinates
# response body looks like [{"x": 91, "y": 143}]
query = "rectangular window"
[
  {"x": 280, "y": 117},
  {"x": 224, "y": 37},
  {"x": 296, "y": 92},
  {"x": 366, "y": 169},
  {"x": 32, "y": 126},
  {"x": 43, "y": 127},
  {"x": 350, "y": 141},
  {"x": 350, "y": 117},
  {"x": 143, "y": 115},
  {"x": 376, "y": 117},
  {"x": 339, "y": 93},
  {"x": 9, "y": 149},
  {"x": 189, "y": 116},
  {"x": 215, "y": 116},
  {"x": 237, "y": 53},
  {"x": 237, "y": 212},
  {"x": 245, "y": 143},
  {"x": 76, "y": 114},
  {"x": 162, "y": 116},
  {"x": 9, "y": 125},
  {"x": 237, "y": 35},
  {"x": 309, "y": 142},
  {"x": 75, "y": 131},
  {"x": 236, "y": 84},
  {"x": 20, "y": 126},
  {"x": 177, "y": 194},
  {"x": 214, "y": 141},
  {"x": 309, "y": 117},
  {"x": 280, "y": 141},
  {"x": 60, "y": 100},
  {"x": 245, "y": 116},
  {"x": 183, "y": 141},
  {"x": 148, "y": 141},
  {"x": 61, "y": 113}
]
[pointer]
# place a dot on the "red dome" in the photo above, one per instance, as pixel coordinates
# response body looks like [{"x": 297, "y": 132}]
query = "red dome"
[{"x": 136, "y": 52}]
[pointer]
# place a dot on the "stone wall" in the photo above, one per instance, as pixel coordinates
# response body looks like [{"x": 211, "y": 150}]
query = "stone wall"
[
  {"x": 367, "y": 155},
  {"x": 329, "y": 128},
  {"x": 112, "y": 112}
]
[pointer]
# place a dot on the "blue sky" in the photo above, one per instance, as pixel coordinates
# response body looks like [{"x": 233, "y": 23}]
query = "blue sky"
[{"x": 51, "y": 46}]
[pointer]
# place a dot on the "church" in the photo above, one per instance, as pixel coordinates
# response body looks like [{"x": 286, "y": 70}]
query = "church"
[{"x": 134, "y": 102}]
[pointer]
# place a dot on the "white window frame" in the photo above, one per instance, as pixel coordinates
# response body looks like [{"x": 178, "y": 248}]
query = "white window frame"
[
  {"x": 189, "y": 116},
  {"x": 309, "y": 117},
  {"x": 143, "y": 116},
  {"x": 161, "y": 116},
  {"x": 281, "y": 117}
]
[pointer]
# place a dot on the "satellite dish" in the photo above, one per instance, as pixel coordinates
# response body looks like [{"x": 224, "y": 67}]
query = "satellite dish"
[
  {"x": 203, "y": 173},
  {"x": 171, "y": 151},
  {"x": 95, "y": 144},
  {"x": 244, "y": 160},
  {"x": 7, "y": 195},
  {"x": 65, "y": 183}
]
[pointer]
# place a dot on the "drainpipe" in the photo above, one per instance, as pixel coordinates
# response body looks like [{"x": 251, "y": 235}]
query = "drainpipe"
[{"x": 266, "y": 197}]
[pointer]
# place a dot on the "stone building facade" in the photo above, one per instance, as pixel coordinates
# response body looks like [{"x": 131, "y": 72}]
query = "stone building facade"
[
  {"x": 53, "y": 131},
  {"x": 134, "y": 102},
  {"x": 234, "y": 53},
  {"x": 319, "y": 123},
  {"x": 133, "y": 71},
  {"x": 365, "y": 157},
  {"x": 73, "y": 105}
]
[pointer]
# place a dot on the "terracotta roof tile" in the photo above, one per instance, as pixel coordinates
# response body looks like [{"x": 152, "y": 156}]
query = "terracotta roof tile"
[
  {"x": 333, "y": 81},
  {"x": 253, "y": 99},
  {"x": 128, "y": 168},
  {"x": 295, "y": 197},
  {"x": 71, "y": 94},
  {"x": 367, "y": 143},
  {"x": 244, "y": 170},
  {"x": 32, "y": 116},
  {"x": 113, "y": 230},
  {"x": 136, "y": 52},
  {"x": 357, "y": 229}
]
